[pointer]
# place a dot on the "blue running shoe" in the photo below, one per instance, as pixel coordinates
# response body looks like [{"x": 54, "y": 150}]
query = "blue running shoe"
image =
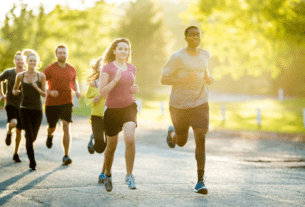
[
  {"x": 101, "y": 178},
  {"x": 170, "y": 143},
  {"x": 90, "y": 145},
  {"x": 108, "y": 183},
  {"x": 66, "y": 160},
  {"x": 200, "y": 188},
  {"x": 130, "y": 181}
]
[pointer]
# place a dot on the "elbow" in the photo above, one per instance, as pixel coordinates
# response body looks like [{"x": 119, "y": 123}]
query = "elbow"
[{"x": 163, "y": 82}]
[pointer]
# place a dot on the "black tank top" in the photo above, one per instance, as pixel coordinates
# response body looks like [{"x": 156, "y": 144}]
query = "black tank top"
[{"x": 30, "y": 96}]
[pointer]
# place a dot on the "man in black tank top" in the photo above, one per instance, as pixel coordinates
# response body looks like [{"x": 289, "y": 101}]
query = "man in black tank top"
[{"x": 12, "y": 103}]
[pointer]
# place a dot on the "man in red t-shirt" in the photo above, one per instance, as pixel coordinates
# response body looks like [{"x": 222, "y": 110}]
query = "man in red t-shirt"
[{"x": 61, "y": 78}]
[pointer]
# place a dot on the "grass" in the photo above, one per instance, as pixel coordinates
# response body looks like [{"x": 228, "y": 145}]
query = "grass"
[{"x": 283, "y": 117}]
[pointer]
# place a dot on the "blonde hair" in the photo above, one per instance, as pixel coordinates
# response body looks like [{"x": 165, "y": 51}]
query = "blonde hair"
[
  {"x": 26, "y": 53},
  {"x": 95, "y": 66}
]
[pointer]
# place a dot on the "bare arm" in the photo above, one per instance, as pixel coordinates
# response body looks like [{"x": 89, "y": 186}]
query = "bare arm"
[
  {"x": 106, "y": 87},
  {"x": 207, "y": 78},
  {"x": 2, "y": 96},
  {"x": 16, "y": 91},
  {"x": 76, "y": 85}
]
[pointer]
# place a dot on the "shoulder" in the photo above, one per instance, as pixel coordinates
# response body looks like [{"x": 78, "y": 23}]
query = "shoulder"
[
  {"x": 71, "y": 67},
  {"x": 19, "y": 75},
  {"x": 108, "y": 67},
  {"x": 50, "y": 67},
  {"x": 178, "y": 54},
  {"x": 132, "y": 67},
  {"x": 42, "y": 75},
  {"x": 205, "y": 53}
]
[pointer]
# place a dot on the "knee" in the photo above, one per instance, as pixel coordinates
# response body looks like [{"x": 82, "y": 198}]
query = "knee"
[
  {"x": 129, "y": 141},
  {"x": 111, "y": 148},
  {"x": 181, "y": 140},
  {"x": 13, "y": 123},
  {"x": 181, "y": 143}
]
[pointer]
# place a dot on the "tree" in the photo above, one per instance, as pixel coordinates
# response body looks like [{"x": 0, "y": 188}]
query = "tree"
[
  {"x": 256, "y": 36},
  {"x": 17, "y": 34},
  {"x": 143, "y": 25}
]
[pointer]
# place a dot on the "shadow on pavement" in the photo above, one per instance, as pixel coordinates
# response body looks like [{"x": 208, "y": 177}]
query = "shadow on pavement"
[{"x": 5, "y": 184}]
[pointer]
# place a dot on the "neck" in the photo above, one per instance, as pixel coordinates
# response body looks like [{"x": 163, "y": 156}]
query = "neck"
[
  {"x": 31, "y": 70},
  {"x": 18, "y": 69},
  {"x": 62, "y": 64},
  {"x": 120, "y": 62},
  {"x": 192, "y": 50}
]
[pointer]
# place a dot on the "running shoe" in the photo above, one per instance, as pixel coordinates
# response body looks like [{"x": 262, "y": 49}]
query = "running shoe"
[
  {"x": 130, "y": 181},
  {"x": 90, "y": 145},
  {"x": 49, "y": 141},
  {"x": 8, "y": 139},
  {"x": 200, "y": 188},
  {"x": 66, "y": 160},
  {"x": 108, "y": 183},
  {"x": 32, "y": 166},
  {"x": 101, "y": 178},
  {"x": 170, "y": 143},
  {"x": 16, "y": 158}
]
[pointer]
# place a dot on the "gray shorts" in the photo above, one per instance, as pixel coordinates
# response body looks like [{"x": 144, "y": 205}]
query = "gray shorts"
[{"x": 183, "y": 119}]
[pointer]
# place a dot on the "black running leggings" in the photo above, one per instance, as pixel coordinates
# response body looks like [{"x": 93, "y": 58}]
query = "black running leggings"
[{"x": 31, "y": 120}]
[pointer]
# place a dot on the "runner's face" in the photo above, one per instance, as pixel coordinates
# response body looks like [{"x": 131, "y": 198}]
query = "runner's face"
[
  {"x": 32, "y": 62},
  {"x": 61, "y": 55},
  {"x": 121, "y": 51},
  {"x": 19, "y": 61},
  {"x": 193, "y": 37}
]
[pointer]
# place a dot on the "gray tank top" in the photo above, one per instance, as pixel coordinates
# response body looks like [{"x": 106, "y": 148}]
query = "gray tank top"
[{"x": 30, "y": 96}]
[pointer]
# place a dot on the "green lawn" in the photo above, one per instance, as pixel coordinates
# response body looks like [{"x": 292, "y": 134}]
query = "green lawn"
[{"x": 276, "y": 116}]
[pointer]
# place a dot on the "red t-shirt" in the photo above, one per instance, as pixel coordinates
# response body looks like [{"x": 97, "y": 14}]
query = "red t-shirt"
[
  {"x": 121, "y": 95},
  {"x": 60, "y": 79}
]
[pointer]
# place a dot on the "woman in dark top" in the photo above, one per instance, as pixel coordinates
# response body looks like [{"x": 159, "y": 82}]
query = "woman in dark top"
[{"x": 33, "y": 86}]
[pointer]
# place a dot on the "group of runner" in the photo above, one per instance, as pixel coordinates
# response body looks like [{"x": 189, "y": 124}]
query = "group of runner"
[{"x": 110, "y": 94}]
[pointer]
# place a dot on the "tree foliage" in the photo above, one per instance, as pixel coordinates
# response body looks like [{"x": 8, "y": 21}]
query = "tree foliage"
[
  {"x": 255, "y": 36},
  {"x": 143, "y": 25}
]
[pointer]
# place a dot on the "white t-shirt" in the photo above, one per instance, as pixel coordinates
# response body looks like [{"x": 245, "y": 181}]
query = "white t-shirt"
[{"x": 180, "y": 64}]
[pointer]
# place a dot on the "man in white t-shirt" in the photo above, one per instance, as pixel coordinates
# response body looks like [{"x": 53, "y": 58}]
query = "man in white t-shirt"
[{"x": 187, "y": 72}]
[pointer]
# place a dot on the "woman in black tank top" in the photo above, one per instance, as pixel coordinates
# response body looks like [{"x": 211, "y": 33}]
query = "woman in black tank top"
[{"x": 33, "y": 86}]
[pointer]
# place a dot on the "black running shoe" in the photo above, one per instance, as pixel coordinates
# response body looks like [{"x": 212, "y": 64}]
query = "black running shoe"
[
  {"x": 66, "y": 160},
  {"x": 49, "y": 141},
  {"x": 16, "y": 158},
  {"x": 8, "y": 139},
  {"x": 90, "y": 145},
  {"x": 170, "y": 143}
]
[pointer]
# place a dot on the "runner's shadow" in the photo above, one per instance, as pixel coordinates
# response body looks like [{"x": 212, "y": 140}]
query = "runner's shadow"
[{"x": 5, "y": 184}]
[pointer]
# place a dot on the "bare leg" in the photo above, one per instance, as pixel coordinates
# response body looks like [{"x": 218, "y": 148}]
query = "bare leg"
[
  {"x": 12, "y": 124},
  {"x": 180, "y": 140},
  {"x": 112, "y": 143},
  {"x": 51, "y": 131},
  {"x": 18, "y": 140},
  {"x": 66, "y": 127},
  {"x": 200, "y": 148},
  {"x": 130, "y": 148}
]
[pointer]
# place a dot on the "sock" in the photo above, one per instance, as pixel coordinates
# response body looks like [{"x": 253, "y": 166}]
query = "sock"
[{"x": 200, "y": 175}]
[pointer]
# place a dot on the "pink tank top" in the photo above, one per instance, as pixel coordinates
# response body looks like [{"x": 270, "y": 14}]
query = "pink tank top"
[{"x": 120, "y": 96}]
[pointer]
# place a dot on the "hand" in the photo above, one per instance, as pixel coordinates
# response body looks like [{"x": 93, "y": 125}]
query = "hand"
[
  {"x": 118, "y": 75},
  {"x": 96, "y": 99},
  {"x": 192, "y": 77},
  {"x": 2, "y": 98},
  {"x": 135, "y": 89},
  {"x": 209, "y": 80},
  {"x": 16, "y": 92},
  {"x": 77, "y": 94},
  {"x": 53, "y": 93}
]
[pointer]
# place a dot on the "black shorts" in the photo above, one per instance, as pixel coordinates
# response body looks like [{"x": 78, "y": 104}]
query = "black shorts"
[
  {"x": 116, "y": 117},
  {"x": 197, "y": 117},
  {"x": 54, "y": 113},
  {"x": 13, "y": 113}
]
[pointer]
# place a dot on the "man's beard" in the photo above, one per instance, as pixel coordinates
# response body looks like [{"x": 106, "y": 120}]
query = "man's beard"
[{"x": 62, "y": 59}]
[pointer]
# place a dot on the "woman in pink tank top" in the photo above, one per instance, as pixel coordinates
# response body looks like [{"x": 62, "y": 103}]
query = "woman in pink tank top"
[{"x": 117, "y": 81}]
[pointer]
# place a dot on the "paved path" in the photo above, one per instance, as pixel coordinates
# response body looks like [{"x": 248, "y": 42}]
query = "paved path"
[{"x": 240, "y": 171}]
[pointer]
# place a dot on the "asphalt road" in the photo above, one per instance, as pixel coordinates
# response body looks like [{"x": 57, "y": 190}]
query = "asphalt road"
[{"x": 242, "y": 169}]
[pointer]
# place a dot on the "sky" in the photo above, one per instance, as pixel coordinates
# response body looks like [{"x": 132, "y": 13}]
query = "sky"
[{"x": 49, "y": 5}]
